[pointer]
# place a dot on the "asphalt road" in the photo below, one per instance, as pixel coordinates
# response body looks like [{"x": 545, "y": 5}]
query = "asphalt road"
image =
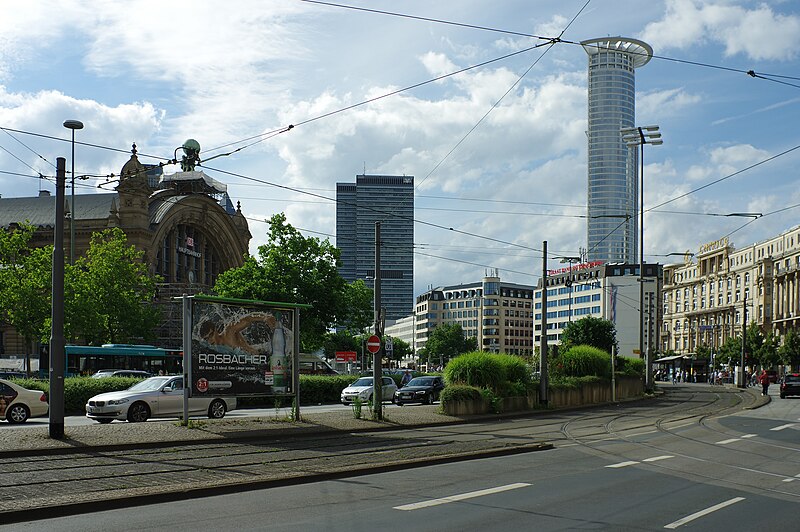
[{"x": 690, "y": 460}]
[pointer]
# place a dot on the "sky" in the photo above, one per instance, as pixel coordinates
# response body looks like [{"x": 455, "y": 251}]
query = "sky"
[{"x": 484, "y": 103}]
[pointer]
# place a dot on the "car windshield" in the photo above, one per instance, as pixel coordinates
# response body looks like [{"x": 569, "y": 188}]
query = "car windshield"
[
  {"x": 792, "y": 378},
  {"x": 420, "y": 381},
  {"x": 153, "y": 383},
  {"x": 363, "y": 381}
]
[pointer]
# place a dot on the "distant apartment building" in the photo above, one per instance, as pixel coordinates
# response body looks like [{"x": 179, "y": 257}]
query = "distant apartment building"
[
  {"x": 497, "y": 314},
  {"x": 607, "y": 291},
  {"x": 613, "y": 188},
  {"x": 389, "y": 200},
  {"x": 709, "y": 300}
]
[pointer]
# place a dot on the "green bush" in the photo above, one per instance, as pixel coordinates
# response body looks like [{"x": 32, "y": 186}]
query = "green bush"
[
  {"x": 573, "y": 383},
  {"x": 459, "y": 392},
  {"x": 632, "y": 367},
  {"x": 516, "y": 369},
  {"x": 581, "y": 361},
  {"x": 478, "y": 368}
]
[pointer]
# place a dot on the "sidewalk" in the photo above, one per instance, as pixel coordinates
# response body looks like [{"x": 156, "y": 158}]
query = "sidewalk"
[{"x": 33, "y": 441}]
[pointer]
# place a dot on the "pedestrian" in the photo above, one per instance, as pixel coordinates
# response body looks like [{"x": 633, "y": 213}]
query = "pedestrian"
[
  {"x": 406, "y": 378},
  {"x": 764, "y": 380}
]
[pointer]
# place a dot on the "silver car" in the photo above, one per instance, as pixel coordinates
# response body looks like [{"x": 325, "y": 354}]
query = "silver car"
[
  {"x": 154, "y": 397},
  {"x": 362, "y": 389},
  {"x": 17, "y": 404}
]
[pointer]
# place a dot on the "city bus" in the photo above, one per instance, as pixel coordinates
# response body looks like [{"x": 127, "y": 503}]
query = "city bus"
[{"x": 86, "y": 360}]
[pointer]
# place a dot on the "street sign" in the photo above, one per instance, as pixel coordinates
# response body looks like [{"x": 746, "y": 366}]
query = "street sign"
[
  {"x": 388, "y": 345},
  {"x": 346, "y": 356},
  {"x": 373, "y": 344}
]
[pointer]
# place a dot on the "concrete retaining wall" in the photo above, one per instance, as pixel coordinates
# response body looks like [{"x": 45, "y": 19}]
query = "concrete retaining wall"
[{"x": 588, "y": 394}]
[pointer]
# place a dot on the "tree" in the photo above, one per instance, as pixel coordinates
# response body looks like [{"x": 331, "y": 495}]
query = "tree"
[
  {"x": 445, "y": 342},
  {"x": 291, "y": 268},
  {"x": 339, "y": 341},
  {"x": 25, "y": 286},
  {"x": 730, "y": 352},
  {"x": 789, "y": 352},
  {"x": 702, "y": 352},
  {"x": 110, "y": 292},
  {"x": 355, "y": 312},
  {"x": 400, "y": 349},
  {"x": 596, "y": 332},
  {"x": 767, "y": 353}
]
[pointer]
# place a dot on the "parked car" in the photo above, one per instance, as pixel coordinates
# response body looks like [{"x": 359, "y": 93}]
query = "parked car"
[
  {"x": 363, "y": 389},
  {"x": 12, "y": 375},
  {"x": 139, "y": 374},
  {"x": 420, "y": 390},
  {"x": 154, "y": 397},
  {"x": 790, "y": 385},
  {"x": 314, "y": 365},
  {"x": 17, "y": 404}
]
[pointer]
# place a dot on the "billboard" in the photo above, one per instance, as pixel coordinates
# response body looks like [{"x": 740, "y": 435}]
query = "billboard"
[{"x": 241, "y": 348}]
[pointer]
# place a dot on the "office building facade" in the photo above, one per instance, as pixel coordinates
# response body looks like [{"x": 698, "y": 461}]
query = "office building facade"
[
  {"x": 613, "y": 188},
  {"x": 497, "y": 314},
  {"x": 389, "y": 200},
  {"x": 710, "y": 298},
  {"x": 606, "y": 291}
]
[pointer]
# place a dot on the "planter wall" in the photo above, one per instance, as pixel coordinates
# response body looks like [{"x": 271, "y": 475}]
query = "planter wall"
[{"x": 626, "y": 388}]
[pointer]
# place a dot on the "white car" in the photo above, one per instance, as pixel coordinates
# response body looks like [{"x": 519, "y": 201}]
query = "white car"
[
  {"x": 154, "y": 397},
  {"x": 363, "y": 389},
  {"x": 17, "y": 404}
]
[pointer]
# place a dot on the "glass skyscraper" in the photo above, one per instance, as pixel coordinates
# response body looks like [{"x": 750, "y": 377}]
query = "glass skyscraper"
[
  {"x": 389, "y": 200},
  {"x": 613, "y": 185}
]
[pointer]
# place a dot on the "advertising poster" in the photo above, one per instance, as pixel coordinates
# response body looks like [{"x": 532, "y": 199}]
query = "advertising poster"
[{"x": 241, "y": 349}]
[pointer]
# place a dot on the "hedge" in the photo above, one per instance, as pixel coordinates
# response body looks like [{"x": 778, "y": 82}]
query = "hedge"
[{"x": 314, "y": 389}]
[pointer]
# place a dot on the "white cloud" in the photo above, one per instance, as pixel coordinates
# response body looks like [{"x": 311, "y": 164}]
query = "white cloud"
[{"x": 760, "y": 33}]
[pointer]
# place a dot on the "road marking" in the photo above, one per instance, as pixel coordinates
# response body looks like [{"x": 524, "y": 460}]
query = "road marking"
[
  {"x": 726, "y": 442},
  {"x": 702, "y": 513},
  {"x": 622, "y": 464},
  {"x": 461, "y": 497},
  {"x": 749, "y": 435},
  {"x": 787, "y": 426},
  {"x": 657, "y": 458}
]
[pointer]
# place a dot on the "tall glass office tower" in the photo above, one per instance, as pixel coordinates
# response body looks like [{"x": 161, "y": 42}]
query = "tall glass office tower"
[
  {"x": 389, "y": 200},
  {"x": 612, "y": 226}
]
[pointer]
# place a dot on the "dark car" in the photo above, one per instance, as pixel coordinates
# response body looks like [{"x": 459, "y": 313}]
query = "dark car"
[
  {"x": 420, "y": 390},
  {"x": 773, "y": 376},
  {"x": 790, "y": 385}
]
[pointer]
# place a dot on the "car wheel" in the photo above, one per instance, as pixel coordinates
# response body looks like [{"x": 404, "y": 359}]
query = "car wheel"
[
  {"x": 216, "y": 410},
  {"x": 399, "y": 403},
  {"x": 783, "y": 396},
  {"x": 138, "y": 412},
  {"x": 104, "y": 421},
  {"x": 18, "y": 413}
]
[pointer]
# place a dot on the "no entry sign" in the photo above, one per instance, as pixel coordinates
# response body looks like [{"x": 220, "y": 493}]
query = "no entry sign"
[{"x": 373, "y": 344}]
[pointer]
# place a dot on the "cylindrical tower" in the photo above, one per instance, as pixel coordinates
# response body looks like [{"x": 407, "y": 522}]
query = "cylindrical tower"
[{"x": 612, "y": 181}]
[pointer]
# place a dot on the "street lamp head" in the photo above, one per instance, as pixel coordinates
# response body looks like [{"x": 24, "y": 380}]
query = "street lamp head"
[{"x": 73, "y": 124}]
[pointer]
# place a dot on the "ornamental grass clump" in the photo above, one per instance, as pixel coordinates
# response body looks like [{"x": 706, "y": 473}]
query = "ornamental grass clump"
[{"x": 582, "y": 361}]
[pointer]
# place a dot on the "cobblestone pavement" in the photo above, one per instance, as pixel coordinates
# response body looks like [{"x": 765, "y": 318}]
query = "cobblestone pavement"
[{"x": 106, "y": 466}]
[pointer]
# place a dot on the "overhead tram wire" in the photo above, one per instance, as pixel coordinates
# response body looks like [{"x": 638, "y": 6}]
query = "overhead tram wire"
[
  {"x": 423, "y": 222},
  {"x": 749, "y": 72},
  {"x": 716, "y": 181}
]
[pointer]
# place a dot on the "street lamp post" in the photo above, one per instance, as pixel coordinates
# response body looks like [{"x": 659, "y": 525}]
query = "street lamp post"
[
  {"x": 568, "y": 284},
  {"x": 639, "y": 136},
  {"x": 73, "y": 125}
]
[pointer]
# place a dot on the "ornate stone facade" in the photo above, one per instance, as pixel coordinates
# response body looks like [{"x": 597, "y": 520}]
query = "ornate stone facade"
[{"x": 185, "y": 224}]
